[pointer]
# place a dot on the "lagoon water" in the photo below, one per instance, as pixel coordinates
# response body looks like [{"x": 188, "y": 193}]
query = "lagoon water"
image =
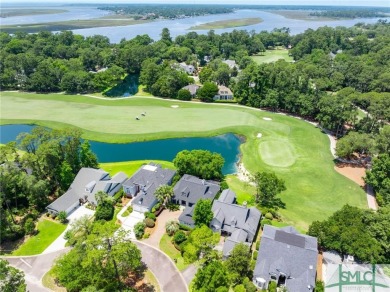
[
  {"x": 178, "y": 26},
  {"x": 227, "y": 145}
]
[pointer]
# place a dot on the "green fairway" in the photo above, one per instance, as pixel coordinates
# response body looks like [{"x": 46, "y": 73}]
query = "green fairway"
[
  {"x": 272, "y": 56},
  {"x": 297, "y": 151},
  {"x": 48, "y": 231}
]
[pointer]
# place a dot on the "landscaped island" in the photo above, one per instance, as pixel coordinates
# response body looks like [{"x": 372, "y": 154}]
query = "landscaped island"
[
  {"x": 72, "y": 24},
  {"x": 227, "y": 23},
  {"x": 12, "y": 12}
]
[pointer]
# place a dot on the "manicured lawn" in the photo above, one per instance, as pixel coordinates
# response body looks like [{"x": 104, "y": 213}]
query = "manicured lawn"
[
  {"x": 130, "y": 167},
  {"x": 272, "y": 56},
  {"x": 168, "y": 248},
  {"x": 48, "y": 232},
  {"x": 295, "y": 150},
  {"x": 243, "y": 190},
  {"x": 227, "y": 23}
]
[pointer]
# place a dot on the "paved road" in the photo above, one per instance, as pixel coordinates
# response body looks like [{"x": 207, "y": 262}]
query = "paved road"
[
  {"x": 168, "y": 276},
  {"x": 35, "y": 267}
]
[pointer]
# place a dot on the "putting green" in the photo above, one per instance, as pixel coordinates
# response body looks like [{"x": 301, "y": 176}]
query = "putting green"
[
  {"x": 277, "y": 153},
  {"x": 295, "y": 150}
]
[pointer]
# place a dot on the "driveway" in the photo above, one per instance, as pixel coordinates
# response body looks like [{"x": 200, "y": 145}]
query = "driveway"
[
  {"x": 35, "y": 267},
  {"x": 162, "y": 219},
  {"x": 59, "y": 243},
  {"x": 168, "y": 276},
  {"x": 130, "y": 221}
]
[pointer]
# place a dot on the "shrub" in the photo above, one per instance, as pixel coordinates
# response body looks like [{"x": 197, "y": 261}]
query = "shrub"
[
  {"x": 265, "y": 221},
  {"x": 172, "y": 207},
  {"x": 269, "y": 216},
  {"x": 53, "y": 216},
  {"x": 118, "y": 196},
  {"x": 150, "y": 216},
  {"x": 254, "y": 255},
  {"x": 224, "y": 185},
  {"x": 252, "y": 265},
  {"x": 146, "y": 235},
  {"x": 272, "y": 286},
  {"x": 29, "y": 226},
  {"x": 185, "y": 227},
  {"x": 47, "y": 214},
  {"x": 156, "y": 207},
  {"x": 257, "y": 245},
  {"x": 179, "y": 237},
  {"x": 239, "y": 288},
  {"x": 184, "y": 94},
  {"x": 104, "y": 211},
  {"x": 139, "y": 230},
  {"x": 62, "y": 217},
  {"x": 149, "y": 222},
  {"x": 249, "y": 286},
  {"x": 171, "y": 227},
  {"x": 319, "y": 286}
]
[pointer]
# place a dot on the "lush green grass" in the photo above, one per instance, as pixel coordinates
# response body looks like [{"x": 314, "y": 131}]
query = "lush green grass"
[
  {"x": 244, "y": 191},
  {"x": 221, "y": 24},
  {"x": 150, "y": 278},
  {"x": 272, "y": 56},
  {"x": 295, "y": 150},
  {"x": 168, "y": 248},
  {"x": 130, "y": 167},
  {"x": 48, "y": 231},
  {"x": 49, "y": 282}
]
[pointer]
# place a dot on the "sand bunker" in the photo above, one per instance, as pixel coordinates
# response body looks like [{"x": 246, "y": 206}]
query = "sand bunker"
[
  {"x": 267, "y": 119},
  {"x": 174, "y": 106},
  {"x": 259, "y": 135}
]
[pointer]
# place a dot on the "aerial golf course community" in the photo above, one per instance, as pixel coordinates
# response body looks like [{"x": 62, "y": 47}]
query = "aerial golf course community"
[{"x": 291, "y": 147}]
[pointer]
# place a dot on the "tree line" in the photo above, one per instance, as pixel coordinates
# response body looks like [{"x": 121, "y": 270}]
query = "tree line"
[{"x": 41, "y": 164}]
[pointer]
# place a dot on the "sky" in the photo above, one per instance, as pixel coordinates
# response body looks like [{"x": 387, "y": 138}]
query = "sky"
[{"x": 384, "y": 3}]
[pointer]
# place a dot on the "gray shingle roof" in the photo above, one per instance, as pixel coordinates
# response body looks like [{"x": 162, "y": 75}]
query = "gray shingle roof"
[
  {"x": 238, "y": 236},
  {"x": 285, "y": 250},
  {"x": 186, "y": 216},
  {"x": 192, "y": 88},
  {"x": 149, "y": 177},
  {"x": 191, "y": 189},
  {"x": 236, "y": 217},
  {"x": 227, "y": 196},
  {"x": 86, "y": 184}
]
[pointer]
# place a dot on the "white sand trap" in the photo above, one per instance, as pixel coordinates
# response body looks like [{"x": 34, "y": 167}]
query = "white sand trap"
[
  {"x": 267, "y": 119},
  {"x": 174, "y": 106},
  {"x": 259, "y": 135}
]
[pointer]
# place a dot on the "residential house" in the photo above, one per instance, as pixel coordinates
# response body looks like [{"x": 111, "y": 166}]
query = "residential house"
[
  {"x": 287, "y": 258},
  {"x": 231, "y": 63},
  {"x": 86, "y": 184},
  {"x": 192, "y": 88},
  {"x": 224, "y": 93},
  {"x": 238, "y": 222},
  {"x": 143, "y": 184},
  {"x": 189, "y": 69},
  {"x": 188, "y": 191}
]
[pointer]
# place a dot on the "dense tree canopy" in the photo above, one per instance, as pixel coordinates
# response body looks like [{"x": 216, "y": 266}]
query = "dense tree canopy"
[
  {"x": 108, "y": 262},
  {"x": 203, "y": 213},
  {"x": 201, "y": 163},
  {"x": 357, "y": 232},
  {"x": 212, "y": 277},
  {"x": 379, "y": 178},
  {"x": 11, "y": 279},
  {"x": 268, "y": 186}
]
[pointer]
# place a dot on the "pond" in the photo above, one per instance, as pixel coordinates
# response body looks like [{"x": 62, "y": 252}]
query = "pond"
[{"x": 227, "y": 145}]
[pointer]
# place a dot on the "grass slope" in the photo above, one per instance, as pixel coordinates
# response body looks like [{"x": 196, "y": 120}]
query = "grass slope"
[
  {"x": 272, "y": 56},
  {"x": 294, "y": 149},
  {"x": 169, "y": 249},
  {"x": 221, "y": 24},
  {"x": 130, "y": 167},
  {"x": 48, "y": 231}
]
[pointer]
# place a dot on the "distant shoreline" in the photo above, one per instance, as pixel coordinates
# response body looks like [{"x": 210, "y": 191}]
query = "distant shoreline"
[{"x": 230, "y": 23}]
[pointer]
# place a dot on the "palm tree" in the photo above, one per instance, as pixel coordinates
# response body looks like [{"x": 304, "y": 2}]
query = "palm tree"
[
  {"x": 164, "y": 193},
  {"x": 171, "y": 227}
]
